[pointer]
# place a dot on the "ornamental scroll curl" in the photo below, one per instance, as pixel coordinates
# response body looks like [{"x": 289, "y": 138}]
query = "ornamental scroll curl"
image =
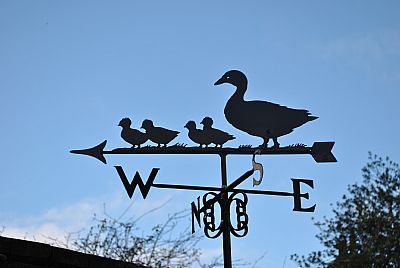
[
  {"x": 239, "y": 229},
  {"x": 210, "y": 229},
  {"x": 242, "y": 219}
]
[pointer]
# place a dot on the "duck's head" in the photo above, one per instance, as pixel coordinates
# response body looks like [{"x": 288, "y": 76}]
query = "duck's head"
[
  {"x": 233, "y": 77},
  {"x": 190, "y": 125},
  {"x": 207, "y": 121},
  {"x": 125, "y": 122},
  {"x": 147, "y": 124}
]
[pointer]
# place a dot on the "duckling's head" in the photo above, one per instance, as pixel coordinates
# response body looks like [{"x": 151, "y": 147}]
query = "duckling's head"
[
  {"x": 233, "y": 77},
  {"x": 190, "y": 125},
  {"x": 207, "y": 121},
  {"x": 147, "y": 124},
  {"x": 125, "y": 122}
]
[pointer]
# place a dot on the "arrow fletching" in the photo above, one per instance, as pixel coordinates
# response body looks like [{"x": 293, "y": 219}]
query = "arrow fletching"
[{"x": 321, "y": 152}]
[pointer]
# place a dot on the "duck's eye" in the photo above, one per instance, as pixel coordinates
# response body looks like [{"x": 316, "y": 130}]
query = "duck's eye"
[{"x": 227, "y": 77}]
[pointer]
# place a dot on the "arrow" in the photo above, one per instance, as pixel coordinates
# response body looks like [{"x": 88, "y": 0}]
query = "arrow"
[
  {"x": 320, "y": 151},
  {"x": 96, "y": 151}
]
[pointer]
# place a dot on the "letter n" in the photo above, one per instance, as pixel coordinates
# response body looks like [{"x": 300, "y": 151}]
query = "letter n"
[
  {"x": 137, "y": 181},
  {"x": 196, "y": 213}
]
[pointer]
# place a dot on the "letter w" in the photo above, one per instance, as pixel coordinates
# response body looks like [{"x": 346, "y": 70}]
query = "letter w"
[{"x": 137, "y": 181}]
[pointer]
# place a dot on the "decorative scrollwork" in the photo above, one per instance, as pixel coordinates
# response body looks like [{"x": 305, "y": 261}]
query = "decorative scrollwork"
[
  {"x": 242, "y": 219},
  {"x": 239, "y": 229},
  {"x": 210, "y": 229}
]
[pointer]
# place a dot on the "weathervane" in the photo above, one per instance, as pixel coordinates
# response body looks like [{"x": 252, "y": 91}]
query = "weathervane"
[{"x": 258, "y": 118}]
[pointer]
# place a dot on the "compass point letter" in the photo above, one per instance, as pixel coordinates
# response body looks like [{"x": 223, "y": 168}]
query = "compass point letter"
[
  {"x": 297, "y": 195},
  {"x": 196, "y": 210},
  {"x": 137, "y": 181}
]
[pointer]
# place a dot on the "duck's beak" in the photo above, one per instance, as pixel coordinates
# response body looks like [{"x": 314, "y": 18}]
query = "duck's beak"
[{"x": 220, "y": 81}]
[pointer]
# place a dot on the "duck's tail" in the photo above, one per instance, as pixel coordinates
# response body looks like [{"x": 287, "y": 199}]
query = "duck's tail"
[
  {"x": 231, "y": 137},
  {"x": 312, "y": 117}
]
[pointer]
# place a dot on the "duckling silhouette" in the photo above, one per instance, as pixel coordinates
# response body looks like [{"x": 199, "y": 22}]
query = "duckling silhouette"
[
  {"x": 260, "y": 118},
  {"x": 216, "y": 136},
  {"x": 130, "y": 135},
  {"x": 158, "y": 135},
  {"x": 197, "y": 135}
]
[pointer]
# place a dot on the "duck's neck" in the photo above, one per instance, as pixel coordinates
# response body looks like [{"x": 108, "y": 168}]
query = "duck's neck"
[
  {"x": 233, "y": 107},
  {"x": 239, "y": 93}
]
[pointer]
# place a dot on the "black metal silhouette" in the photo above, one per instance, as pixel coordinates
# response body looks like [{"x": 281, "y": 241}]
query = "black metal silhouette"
[
  {"x": 211, "y": 230},
  {"x": 96, "y": 152},
  {"x": 263, "y": 119},
  {"x": 130, "y": 135},
  {"x": 197, "y": 135},
  {"x": 320, "y": 151},
  {"x": 158, "y": 135},
  {"x": 258, "y": 118},
  {"x": 242, "y": 219},
  {"x": 216, "y": 136},
  {"x": 137, "y": 181}
]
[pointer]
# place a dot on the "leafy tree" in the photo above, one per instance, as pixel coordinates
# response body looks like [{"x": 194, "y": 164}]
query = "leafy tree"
[{"x": 364, "y": 230}]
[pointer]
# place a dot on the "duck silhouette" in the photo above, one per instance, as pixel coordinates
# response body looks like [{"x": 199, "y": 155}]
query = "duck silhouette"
[
  {"x": 197, "y": 135},
  {"x": 158, "y": 135},
  {"x": 263, "y": 119},
  {"x": 130, "y": 135},
  {"x": 216, "y": 136}
]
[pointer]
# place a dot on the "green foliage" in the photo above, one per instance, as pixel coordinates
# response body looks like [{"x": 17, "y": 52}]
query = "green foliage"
[{"x": 364, "y": 230}]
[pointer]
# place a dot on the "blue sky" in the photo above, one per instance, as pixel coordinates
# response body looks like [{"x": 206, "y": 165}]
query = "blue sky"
[{"x": 70, "y": 70}]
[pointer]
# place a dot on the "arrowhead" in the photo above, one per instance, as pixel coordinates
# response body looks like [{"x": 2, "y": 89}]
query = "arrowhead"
[
  {"x": 321, "y": 152},
  {"x": 96, "y": 152}
]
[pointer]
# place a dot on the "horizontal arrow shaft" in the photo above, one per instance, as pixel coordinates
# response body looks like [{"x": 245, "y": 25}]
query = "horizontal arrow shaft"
[
  {"x": 320, "y": 151},
  {"x": 218, "y": 151}
]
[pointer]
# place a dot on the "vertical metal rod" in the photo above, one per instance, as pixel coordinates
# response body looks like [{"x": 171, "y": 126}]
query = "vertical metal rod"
[{"x": 225, "y": 216}]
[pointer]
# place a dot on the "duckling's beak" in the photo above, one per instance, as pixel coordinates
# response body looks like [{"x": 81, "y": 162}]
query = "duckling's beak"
[{"x": 220, "y": 81}]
